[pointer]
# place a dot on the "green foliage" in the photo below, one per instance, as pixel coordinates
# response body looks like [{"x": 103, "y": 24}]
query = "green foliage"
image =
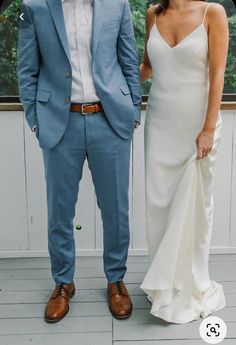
[
  {"x": 230, "y": 74},
  {"x": 139, "y": 8},
  {"x": 9, "y": 22}
]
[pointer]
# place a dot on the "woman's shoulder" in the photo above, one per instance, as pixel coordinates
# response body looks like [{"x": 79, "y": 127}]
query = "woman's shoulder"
[
  {"x": 151, "y": 11},
  {"x": 215, "y": 11},
  {"x": 214, "y": 7}
]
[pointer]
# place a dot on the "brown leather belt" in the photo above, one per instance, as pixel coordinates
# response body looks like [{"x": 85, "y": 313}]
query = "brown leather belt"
[{"x": 86, "y": 108}]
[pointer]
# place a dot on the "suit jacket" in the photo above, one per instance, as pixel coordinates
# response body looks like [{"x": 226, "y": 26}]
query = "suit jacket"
[{"x": 44, "y": 68}]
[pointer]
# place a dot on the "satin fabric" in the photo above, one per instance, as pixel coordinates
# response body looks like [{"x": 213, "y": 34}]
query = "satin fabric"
[{"x": 179, "y": 203}]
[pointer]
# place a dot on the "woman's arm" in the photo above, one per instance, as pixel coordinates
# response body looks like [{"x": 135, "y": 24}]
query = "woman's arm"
[
  {"x": 145, "y": 67},
  {"x": 218, "y": 38}
]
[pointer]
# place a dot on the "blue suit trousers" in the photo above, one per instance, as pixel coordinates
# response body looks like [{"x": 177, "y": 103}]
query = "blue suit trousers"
[{"x": 88, "y": 137}]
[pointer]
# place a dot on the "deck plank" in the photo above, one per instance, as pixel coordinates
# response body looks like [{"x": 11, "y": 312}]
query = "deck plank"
[
  {"x": 92, "y": 272},
  {"x": 140, "y": 302},
  {"x": 20, "y": 310},
  {"x": 170, "y": 342},
  {"x": 133, "y": 283},
  {"x": 101, "y": 338},
  {"x": 160, "y": 330},
  {"x": 26, "y": 284},
  {"x": 91, "y": 261},
  {"x": 143, "y": 316},
  {"x": 67, "y": 325}
]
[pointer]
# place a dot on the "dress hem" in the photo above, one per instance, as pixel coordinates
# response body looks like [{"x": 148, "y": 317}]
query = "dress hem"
[{"x": 206, "y": 306}]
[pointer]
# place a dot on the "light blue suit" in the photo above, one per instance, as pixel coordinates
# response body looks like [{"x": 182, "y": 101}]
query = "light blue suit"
[{"x": 67, "y": 139}]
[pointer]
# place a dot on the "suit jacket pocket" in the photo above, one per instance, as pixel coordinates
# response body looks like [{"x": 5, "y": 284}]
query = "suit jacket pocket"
[
  {"x": 125, "y": 89},
  {"x": 42, "y": 95}
]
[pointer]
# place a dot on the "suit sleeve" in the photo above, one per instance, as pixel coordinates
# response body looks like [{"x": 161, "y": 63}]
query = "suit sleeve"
[
  {"x": 128, "y": 59},
  {"x": 28, "y": 65}
]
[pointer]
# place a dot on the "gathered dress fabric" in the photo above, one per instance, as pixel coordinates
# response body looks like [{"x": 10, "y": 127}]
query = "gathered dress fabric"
[{"x": 179, "y": 202}]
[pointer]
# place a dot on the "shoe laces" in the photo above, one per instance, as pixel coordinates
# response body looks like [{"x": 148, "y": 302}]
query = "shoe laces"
[
  {"x": 60, "y": 290},
  {"x": 122, "y": 288}
]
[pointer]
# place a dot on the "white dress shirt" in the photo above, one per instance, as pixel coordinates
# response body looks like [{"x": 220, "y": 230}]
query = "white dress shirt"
[{"x": 78, "y": 16}]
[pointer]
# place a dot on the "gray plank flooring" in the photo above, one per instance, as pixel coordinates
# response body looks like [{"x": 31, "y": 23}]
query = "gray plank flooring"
[{"x": 26, "y": 284}]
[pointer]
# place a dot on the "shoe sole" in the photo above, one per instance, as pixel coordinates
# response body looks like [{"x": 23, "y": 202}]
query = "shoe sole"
[{"x": 57, "y": 320}]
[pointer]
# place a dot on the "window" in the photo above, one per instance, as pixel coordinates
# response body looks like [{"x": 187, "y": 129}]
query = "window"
[{"x": 9, "y": 21}]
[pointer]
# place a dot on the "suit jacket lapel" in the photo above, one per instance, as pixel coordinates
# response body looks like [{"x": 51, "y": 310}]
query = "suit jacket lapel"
[
  {"x": 55, "y": 7},
  {"x": 98, "y": 15}
]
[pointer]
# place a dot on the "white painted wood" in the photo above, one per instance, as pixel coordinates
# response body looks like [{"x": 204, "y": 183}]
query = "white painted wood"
[
  {"x": 13, "y": 218},
  {"x": 170, "y": 342},
  {"x": 23, "y": 205},
  {"x": 79, "y": 252},
  {"x": 233, "y": 188},
  {"x": 67, "y": 325},
  {"x": 97, "y": 252},
  {"x": 138, "y": 196},
  {"x": 143, "y": 316},
  {"x": 160, "y": 330},
  {"x": 89, "y": 322},
  {"x": 97, "y": 272},
  {"x": 36, "y": 263},
  {"x": 39, "y": 296},
  {"x": 101, "y": 338},
  {"x": 10, "y": 287},
  {"x": 222, "y": 185},
  {"x": 16, "y": 311}
]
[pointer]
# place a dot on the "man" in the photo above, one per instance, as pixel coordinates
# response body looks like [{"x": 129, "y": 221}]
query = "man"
[{"x": 80, "y": 87}]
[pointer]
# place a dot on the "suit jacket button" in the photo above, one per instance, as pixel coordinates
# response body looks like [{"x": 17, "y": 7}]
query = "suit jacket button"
[
  {"x": 67, "y": 99},
  {"x": 68, "y": 74}
]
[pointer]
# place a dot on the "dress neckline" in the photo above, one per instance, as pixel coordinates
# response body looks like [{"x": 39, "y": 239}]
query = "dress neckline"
[{"x": 183, "y": 39}]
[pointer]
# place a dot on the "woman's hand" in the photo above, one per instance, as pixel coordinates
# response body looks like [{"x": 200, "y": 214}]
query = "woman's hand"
[{"x": 204, "y": 143}]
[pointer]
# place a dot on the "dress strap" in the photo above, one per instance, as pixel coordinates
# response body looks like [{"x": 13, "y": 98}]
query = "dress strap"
[
  {"x": 155, "y": 18},
  {"x": 206, "y": 12}
]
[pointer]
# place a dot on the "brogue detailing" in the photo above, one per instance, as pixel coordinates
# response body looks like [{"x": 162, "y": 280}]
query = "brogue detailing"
[
  {"x": 119, "y": 300},
  {"x": 58, "y": 304}
]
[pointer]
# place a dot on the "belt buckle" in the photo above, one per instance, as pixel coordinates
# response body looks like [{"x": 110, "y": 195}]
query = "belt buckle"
[{"x": 82, "y": 108}]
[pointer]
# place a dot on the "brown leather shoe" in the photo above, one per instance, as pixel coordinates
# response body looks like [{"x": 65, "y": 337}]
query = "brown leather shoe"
[
  {"x": 120, "y": 303},
  {"x": 58, "y": 304}
]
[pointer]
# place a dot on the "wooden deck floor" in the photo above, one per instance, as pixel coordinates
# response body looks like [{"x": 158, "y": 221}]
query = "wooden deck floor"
[{"x": 26, "y": 284}]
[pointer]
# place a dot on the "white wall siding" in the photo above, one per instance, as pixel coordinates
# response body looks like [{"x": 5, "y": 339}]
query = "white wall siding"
[
  {"x": 13, "y": 210},
  {"x": 23, "y": 215}
]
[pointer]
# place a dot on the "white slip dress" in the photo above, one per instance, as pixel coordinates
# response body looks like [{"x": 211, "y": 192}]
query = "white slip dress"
[{"x": 179, "y": 203}]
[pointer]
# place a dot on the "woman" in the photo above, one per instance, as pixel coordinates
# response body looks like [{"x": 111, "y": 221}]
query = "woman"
[{"x": 186, "y": 52}]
